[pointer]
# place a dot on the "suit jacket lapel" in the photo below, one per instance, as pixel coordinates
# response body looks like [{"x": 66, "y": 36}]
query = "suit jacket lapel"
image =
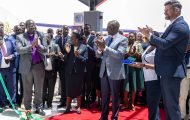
[
  {"x": 167, "y": 31},
  {"x": 26, "y": 40},
  {"x": 170, "y": 27},
  {"x": 115, "y": 41}
]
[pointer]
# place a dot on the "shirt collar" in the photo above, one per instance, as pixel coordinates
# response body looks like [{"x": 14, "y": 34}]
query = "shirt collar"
[
  {"x": 174, "y": 20},
  {"x": 114, "y": 36}
]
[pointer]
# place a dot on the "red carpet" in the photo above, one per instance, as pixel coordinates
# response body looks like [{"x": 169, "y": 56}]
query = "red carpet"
[{"x": 141, "y": 113}]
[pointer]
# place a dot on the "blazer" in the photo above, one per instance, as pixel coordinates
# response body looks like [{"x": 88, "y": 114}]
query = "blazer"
[
  {"x": 24, "y": 48},
  {"x": 91, "y": 51},
  {"x": 170, "y": 49},
  {"x": 53, "y": 47},
  {"x": 76, "y": 64},
  {"x": 59, "y": 64},
  {"x": 10, "y": 51},
  {"x": 112, "y": 58}
]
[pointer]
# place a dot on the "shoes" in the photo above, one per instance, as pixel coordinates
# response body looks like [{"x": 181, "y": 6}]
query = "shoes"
[
  {"x": 78, "y": 110},
  {"x": 61, "y": 105},
  {"x": 1, "y": 110},
  {"x": 66, "y": 111},
  {"x": 40, "y": 111},
  {"x": 133, "y": 107}
]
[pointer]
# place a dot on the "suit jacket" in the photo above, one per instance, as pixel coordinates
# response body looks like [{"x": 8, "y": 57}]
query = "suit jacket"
[
  {"x": 91, "y": 51},
  {"x": 12, "y": 38},
  {"x": 24, "y": 48},
  {"x": 76, "y": 64},
  {"x": 170, "y": 49},
  {"x": 112, "y": 58},
  {"x": 59, "y": 64},
  {"x": 53, "y": 47},
  {"x": 10, "y": 51}
]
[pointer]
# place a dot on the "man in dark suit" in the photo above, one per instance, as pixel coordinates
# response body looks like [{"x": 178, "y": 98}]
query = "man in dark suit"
[
  {"x": 169, "y": 57},
  {"x": 89, "y": 91},
  {"x": 16, "y": 75},
  {"x": 7, "y": 56},
  {"x": 60, "y": 65}
]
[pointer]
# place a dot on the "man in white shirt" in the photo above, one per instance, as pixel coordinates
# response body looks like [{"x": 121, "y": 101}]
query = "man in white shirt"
[{"x": 7, "y": 55}]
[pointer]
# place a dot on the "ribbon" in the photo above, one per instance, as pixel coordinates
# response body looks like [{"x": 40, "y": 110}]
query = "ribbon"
[
  {"x": 129, "y": 60},
  {"x": 28, "y": 116}
]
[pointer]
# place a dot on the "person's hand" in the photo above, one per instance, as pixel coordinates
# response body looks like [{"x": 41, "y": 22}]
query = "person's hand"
[
  {"x": 67, "y": 47},
  {"x": 35, "y": 43},
  {"x": 101, "y": 44},
  {"x": 145, "y": 31},
  {"x": 51, "y": 54},
  {"x": 127, "y": 54},
  {"x": 10, "y": 57},
  {"x": 76, "y": 52},
  {"x": 139, "y": 65},
  {"x": 60, "y": 55}
]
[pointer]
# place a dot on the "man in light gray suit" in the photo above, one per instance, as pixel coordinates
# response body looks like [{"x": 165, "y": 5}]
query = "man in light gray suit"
[
  {"x": 112, "y": 50},
  {"x": 30, "y": 46}
]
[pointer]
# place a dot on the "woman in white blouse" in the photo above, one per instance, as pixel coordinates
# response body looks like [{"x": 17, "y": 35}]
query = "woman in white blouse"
[{"x": 152, "y": 84}]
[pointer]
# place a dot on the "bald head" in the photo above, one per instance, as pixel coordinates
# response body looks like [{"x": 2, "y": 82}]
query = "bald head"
[{"x": 113, "y": 27}]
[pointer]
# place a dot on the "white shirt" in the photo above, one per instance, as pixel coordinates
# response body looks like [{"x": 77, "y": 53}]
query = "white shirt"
[
  {"x": 3, "y": 64},
  {"x": 49, "y": 60},
  {"x": 149, "y": 74}
]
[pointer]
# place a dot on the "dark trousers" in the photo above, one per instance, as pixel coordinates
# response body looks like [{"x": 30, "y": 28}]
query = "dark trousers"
[
  {"x": 48, "y": 88},
  {"x": 7, "y": 74},
  {"x": 153, "y": 95},
  {"x": 170, "y": 88},
  {"x": 106, "y": 86},
  {"x": 63, "y": 86},
  {"x": 19, "y": 88},
  {"x": 88, "y": 84}
]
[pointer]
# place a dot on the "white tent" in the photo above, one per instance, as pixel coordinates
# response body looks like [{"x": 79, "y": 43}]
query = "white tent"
[{"x": 130, "y": 13}]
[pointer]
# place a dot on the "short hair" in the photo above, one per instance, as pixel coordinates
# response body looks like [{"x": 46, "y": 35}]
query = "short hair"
[
  {"x": 76, "y": 33},
  {"x": 115, "y": 23},
  {"x": 88, "y": 25},
  {"x": 174, "y": 3},
  {"x": 28, "y": 22},
  {"x": 65, "y": 26},
  {"x": 49, "y": 30}
]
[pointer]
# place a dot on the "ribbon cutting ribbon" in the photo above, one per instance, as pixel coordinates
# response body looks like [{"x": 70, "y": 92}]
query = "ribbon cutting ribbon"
[
  {"x": 28, "y": 115},
  {"x": 129, "y": 60}
]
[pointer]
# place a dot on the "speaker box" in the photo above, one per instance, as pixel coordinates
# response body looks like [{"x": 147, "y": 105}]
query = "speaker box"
[{"x": 95, "y": 19}]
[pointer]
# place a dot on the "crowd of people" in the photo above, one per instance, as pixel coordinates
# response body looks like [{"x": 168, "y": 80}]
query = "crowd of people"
[{"x": 90, "y": 67}]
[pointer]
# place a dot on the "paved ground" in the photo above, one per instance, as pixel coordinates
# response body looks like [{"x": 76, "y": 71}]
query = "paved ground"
[{"x": 9, "y": 114}]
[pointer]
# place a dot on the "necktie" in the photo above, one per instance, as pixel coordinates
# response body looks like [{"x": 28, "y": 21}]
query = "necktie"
[
  {"x": 4, "y": 51},
  {"x": 110, "y": 41}
]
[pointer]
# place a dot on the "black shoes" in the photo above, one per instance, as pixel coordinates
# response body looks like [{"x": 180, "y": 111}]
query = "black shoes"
[
  {"x": 66, "y": 111},
  {"x": 61, "y": 105},
  {"x": 78, "y": 110},
  {"x": 40, "y": 111}
]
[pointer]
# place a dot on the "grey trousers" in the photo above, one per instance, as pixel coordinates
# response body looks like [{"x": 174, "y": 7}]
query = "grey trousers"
[{"x": 36, "y": 77}]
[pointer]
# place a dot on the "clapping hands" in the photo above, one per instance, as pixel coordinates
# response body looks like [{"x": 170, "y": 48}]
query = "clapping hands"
[
  {"x": 145, "y": 31},
  {"x": 100, "y": 43}
]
